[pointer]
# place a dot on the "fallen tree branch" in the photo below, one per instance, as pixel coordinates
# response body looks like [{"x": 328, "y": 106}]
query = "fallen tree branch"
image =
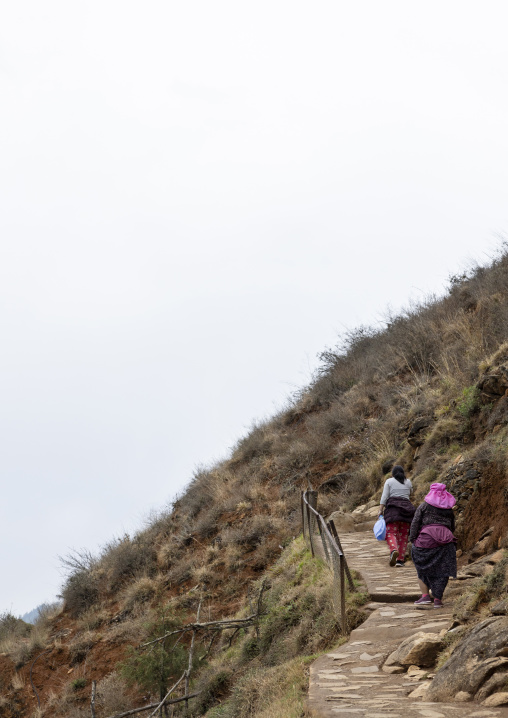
[
  {"x": 209, "y": 626},
  {"x": 154, "y": 705}
]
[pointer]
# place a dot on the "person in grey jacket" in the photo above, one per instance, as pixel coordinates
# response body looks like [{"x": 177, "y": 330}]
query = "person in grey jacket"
[{"x": 398, "y": 512}]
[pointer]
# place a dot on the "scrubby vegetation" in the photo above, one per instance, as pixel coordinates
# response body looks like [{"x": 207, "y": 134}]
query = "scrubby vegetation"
[{"x": 428, "y": 389}]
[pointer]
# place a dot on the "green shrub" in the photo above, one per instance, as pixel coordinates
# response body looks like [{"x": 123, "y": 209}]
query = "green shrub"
[
  {"x": 469, "y": 402},
  {"x": 78, "y": 683},
  {"x": 152, "y": 667}
]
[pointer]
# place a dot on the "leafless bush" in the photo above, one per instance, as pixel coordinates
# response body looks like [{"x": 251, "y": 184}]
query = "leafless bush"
[
  {"x": 210, "y": 487},
  {"x": 12, "y": 627},
  {"x": 251, "y": 533},
  {"x": 207, "y": 523},
  {"x": 257, "y": 442},
  {"x": 80, "y": 592},
  {"x": 112, "y": 696},
  {"x": 341, "y": 368},
  {"x": 125, "y": 558},
  {"x": 78, "y": 560},
  {"x": 182, "y": 570}
]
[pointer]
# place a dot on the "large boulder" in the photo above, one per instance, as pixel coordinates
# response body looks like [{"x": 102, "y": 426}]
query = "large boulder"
[
  {"x": 494, "y": 384},
  {"x": 501, "y": 608},
  {"x": 480, "y": 655},
  {"x": 420, "y": 649},
  {"x": 344, "y": 523},
  {"x": 498, "y": 699},
  {"x": 335, "y": 483}
]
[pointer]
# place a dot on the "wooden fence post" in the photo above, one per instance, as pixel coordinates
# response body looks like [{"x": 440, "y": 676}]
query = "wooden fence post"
[
  {"x": 309, "y": 526},
  {"x": 312, "y": 499},
  {"x": 342, "y": 561},
  {"x": 335, "y": 535}
]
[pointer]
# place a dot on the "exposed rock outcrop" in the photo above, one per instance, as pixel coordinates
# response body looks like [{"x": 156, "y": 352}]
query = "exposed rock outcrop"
[
  {"x": 416, "y": 433},
  {"x": 479, "y": 657}
]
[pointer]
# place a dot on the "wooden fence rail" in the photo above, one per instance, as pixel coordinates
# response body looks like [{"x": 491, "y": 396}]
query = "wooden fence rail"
[{"x": 320, "y": 534}]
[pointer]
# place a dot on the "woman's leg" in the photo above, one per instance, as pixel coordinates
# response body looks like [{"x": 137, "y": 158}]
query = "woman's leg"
[
  {"x": 391, "y": 537},
  {"x": 423, "y": 588},
  {"x": 438, "y": 585},
  {"x": 422, "y": 578},
  {"x": 403, "y": 539}
]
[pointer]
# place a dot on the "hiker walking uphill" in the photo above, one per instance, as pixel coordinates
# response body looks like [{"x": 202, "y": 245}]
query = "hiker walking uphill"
[
  {"x": 434, "y": 551},
  {"x": 398, "y": 512}
]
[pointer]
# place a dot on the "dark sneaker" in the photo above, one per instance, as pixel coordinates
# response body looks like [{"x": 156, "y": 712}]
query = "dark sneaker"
[
  {"x": 393, "y": 557},
  {"x": 424, "y": 600},
  {"x": 438, "y": 603},
  {"x": 399, "y": 563}
]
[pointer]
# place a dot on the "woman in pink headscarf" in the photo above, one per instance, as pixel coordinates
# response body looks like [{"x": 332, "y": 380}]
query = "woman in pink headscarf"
[{"x": 434, "y": 551}]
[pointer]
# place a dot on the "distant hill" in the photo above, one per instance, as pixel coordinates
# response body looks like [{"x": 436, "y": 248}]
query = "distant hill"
[{"x": 33, "y": 615}]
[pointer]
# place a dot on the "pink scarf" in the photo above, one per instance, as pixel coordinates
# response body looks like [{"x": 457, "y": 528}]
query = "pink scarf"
[{"x": 439, "y": 497}]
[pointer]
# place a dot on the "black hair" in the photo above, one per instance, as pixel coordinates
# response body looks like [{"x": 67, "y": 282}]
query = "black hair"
[{"x": 398, "y": 473}]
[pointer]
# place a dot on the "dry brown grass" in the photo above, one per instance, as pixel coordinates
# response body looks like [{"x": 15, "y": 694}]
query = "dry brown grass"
[
  {"x": 92, "y": 619},
  {"x": 20, "y": 649},
  {"x": 17, "y": 682},
  {"x": 276, "y": 692},
  {"x": 131, "y": 629},
  {"x": 139, "y": 591},
  {"x": 62, "y": 701},
  {"x": 80, "y": 646}
]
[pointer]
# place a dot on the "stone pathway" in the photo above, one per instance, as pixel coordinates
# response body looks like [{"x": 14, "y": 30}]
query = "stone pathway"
[
  {"x": 370, "y": 558},
  {"x": 350, "y": 681}
]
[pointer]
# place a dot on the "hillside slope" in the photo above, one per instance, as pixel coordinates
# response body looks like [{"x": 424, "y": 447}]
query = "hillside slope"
[{"x": 429, "y": 391}]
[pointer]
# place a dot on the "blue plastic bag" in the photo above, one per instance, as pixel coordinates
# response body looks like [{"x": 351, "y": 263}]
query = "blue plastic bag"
[{"x": 380, "y": 528}]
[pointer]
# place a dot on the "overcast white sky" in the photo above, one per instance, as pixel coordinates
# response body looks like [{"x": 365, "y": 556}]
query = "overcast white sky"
[{"x": 195, "y": 198}]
